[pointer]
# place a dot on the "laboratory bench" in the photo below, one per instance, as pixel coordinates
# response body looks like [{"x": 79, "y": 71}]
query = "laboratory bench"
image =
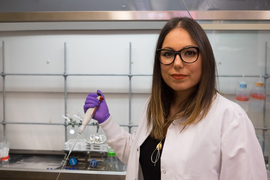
[{"x": 46, "y": 165}]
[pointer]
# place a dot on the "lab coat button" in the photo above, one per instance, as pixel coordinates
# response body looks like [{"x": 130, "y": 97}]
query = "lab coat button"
[
  {"x": 164, "y": 171},
  {"x": 138, "y": 149}
]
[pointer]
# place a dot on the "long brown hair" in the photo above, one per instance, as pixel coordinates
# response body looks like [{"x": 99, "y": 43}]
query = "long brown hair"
[{"x": 162, "y": 95}]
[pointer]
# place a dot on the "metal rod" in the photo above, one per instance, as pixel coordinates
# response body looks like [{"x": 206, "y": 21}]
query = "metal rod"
[
  {"x": 264, "y": 103},
  {"x": 33, "y": 74},
  {"x": 3, "y": 57},
  {"x": 129, "y": 94},
  {"x": 66, "y": 74},
  {"x": 23, "y": 74},
  {"x": 65, "y": 86},
  {"x": 33, "y": 123},
  {"x": 4, "y": 91},
  {"x": 261, "y": 128},
  {"x": 187, "y": 9},
  {"x": 61, "y": 124},
  {"x": 251, "y": 76},
  {"x": 110, "y": 74}
]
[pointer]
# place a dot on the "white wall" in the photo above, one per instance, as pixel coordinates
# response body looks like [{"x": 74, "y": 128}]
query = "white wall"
[{"x": 41, "y": 99}]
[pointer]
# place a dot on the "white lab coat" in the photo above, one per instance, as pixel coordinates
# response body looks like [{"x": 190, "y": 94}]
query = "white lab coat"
[{"x": 222, "y": 146}]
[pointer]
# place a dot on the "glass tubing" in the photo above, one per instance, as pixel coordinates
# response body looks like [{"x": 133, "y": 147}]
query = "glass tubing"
[{"x": 130, "y": 75}]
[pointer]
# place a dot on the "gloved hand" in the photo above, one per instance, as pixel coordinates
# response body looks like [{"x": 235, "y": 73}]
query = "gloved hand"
[{"x": 102, "y": 112}]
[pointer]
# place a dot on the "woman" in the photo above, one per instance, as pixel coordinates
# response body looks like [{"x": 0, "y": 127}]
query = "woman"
[{"x": 187, "y": 130}]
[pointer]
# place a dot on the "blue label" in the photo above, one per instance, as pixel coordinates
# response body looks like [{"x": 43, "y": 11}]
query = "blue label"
[
  {"x": 73, "y": 161},
  {"x": 93, "y": 163}
]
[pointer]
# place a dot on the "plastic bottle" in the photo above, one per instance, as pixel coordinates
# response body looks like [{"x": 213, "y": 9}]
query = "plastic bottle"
[
  {"x": 258, "y": 97},
  {"x": 242, "y": 95},
  {"x": 4, "y": 154},
  {"x": 112, "y": 161},
  {"x": 5, "y": 161}
]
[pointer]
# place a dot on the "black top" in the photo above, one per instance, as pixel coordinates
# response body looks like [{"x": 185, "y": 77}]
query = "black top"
[{"x": 150, "y": 171}]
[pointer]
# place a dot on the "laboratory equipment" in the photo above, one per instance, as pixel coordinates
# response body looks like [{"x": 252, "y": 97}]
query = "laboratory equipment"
[
  {"x": 87, "y": 118},
  {"x": 242, "y": 95},
  {"x": 4, "y": 154},
  {"x": 112, "y": 161},
  {"x": 70, "y": 122},
  {"x": 96, "y": 139},
  {"x": 258, "y": 96},
  {"x": 93, "y": 163},
  {"x": 83, "y": 153},
  {"x": 73, "y": 161},
  {"x": 89, "y": 114}
]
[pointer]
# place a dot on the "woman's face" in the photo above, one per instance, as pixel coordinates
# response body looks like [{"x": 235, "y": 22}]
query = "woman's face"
[{"x": 180, "y": 76}]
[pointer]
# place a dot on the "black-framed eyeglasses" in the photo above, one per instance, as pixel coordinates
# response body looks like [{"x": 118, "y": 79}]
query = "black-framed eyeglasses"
[{"x": 187, "y": 55}]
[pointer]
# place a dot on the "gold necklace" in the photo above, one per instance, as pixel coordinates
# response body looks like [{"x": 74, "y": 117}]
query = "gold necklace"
[{"x": 158, "y": 148}]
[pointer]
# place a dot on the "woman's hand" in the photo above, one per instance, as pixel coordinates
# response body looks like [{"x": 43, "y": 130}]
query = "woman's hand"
[{"x": 102, "y": 111}]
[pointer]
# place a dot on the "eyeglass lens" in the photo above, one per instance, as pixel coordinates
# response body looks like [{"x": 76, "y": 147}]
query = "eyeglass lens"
[{"x": 188, "y": 55}]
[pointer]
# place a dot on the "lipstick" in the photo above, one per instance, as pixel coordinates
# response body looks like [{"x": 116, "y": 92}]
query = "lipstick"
[{"x": 178, "y": 76}]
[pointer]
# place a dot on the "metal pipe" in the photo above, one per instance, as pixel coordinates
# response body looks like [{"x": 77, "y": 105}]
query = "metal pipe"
[
  {"x": 31, "y": 74},
  {"x": 33, "y": 123},
  {"x": 264, "y": 103},
  {"x": 65, "y": 74},
  {"x": 252, "y": 76},
  {"x": 61, "y": 124},
  {"x": 261, "y": 128},
  {"x": 65, "y": 87},
  {"x": 129, "y": 95},
  {"x": 110, "y": 74},
  {"x": 4, "y": 91}
]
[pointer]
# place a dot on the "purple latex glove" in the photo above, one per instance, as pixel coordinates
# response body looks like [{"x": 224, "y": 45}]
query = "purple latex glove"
[{"x": 102, "y": 112}]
